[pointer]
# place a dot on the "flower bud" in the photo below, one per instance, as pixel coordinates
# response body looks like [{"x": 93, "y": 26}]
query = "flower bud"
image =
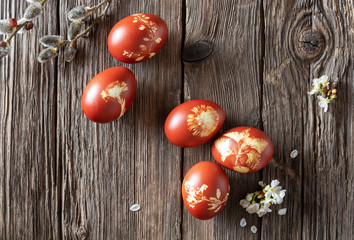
[
  {"x": 3, "y": 43},
  {"x": 324, "y": 90},
  {"x": 334, "y": 90},
  {"x": 29, "y": 26},
  {"x": 5, "y": 27},
  {"x": 78, "y": 13},
  {"x": 74, "y": 29},
  {"x": 13, "y": 22},
  {"x": 51, "y": 41},
  {"x": 47, "y": 54},
  {"x": 4, "y": 49},
  {"x": 32, "y": 12},
  {"x": 70, "y": 52}
]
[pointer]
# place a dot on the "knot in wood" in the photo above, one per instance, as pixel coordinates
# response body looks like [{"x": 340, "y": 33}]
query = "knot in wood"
[
  {"x": 81, "y": 233},
  {"x": 310, "y": 44},
  {"x": 197, "y": 51}
]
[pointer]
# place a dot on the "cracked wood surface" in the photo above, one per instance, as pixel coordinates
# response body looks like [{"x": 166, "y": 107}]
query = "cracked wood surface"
[{"x": 65, "y": 177}]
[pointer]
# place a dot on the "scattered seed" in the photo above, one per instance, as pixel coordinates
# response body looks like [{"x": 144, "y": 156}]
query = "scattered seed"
[
  {"x": 254, "y": 229},
  {"x": 243, "y": 222},
  {"x": 135, "y": 207},
  {"x": 282, "y": 211},
  {"x": 294, "y": 153}
]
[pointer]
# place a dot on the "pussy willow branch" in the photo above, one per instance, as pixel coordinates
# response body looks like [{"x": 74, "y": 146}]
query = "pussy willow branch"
[
  {"x": 100, "y": 5},
  {"x": 104, "y": 12},
  {"x": 19, "y": 27},
  {"x": 55, "y": 43}
]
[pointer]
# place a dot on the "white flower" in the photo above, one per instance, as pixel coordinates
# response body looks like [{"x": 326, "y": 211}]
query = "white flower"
[
  {"x": 261, "y": 212},
  {"x": 276, "y": 196},
  {"x": 267, "y": 201},
  {"x": 253, "y": 208},
  {"x": 323, "y": 103},
  {"x": 273, "y": 186},
  {"x": 275, "y": 183},
  {"x": 273, "y": 193},
  {"x": 263, "y": 208},
  {"x": 273, "y": 189},
  {"x": 266, "y": 207},
  {"x": 278, "y": 199},
  {"x": 324, "y": 80},
  {"x": 318, "y": 84},
  {"x": 280, "y": 196},
  {"x": 244, "y": 203},
  {"x": 260, "y": 201},
  {"x": 314, "y": 90},
  {"x": 249, "y": 197}
]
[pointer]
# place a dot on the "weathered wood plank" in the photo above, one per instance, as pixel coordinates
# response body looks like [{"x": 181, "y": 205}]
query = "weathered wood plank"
[
  {"x": 285, "y": 74},
  {"x": 28, "y": 183},
  {"x": 324, "y": 140},
  {"x": 65, "y": 177},
  {"x": 106, "y": 168},
  {"x": 328, "y": 161},
  {"x": 231, "y": 77}
]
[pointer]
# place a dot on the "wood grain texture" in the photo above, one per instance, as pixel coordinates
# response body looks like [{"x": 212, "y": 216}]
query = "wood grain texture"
[
  {"x": 329, "y": 151},
  {"x": 233, "y": 28},
  {"x": 28, "y": 173},
  {"x": 285, "y": 87},
  {"x": 65, "y": 177},
  {"x": 106, "y": 168},
  {"x": 320, "y": 180}
]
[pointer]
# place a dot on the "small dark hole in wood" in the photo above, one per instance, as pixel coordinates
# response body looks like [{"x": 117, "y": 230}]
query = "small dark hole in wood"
[
  {"x": 197, "y": 51},
  {"x": 82, "y": 233},
  {"x": 314, "y": 42},
  {"x": 311, "y": 41},
  {"x": 310, "y": 44}
]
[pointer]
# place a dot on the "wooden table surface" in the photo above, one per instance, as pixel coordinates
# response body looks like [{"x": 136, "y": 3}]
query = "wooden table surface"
[{"x": 65, "y": 177}]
